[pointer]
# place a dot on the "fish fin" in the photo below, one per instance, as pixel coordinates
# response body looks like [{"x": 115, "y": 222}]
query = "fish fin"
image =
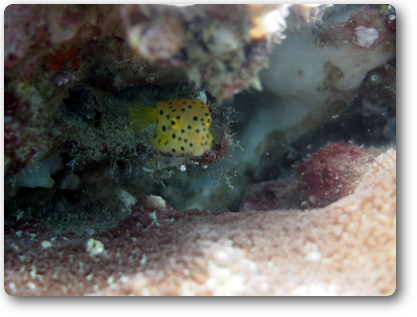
[
  {"x": 164, "y": 138},
  {"x": 139, "y": 116}
]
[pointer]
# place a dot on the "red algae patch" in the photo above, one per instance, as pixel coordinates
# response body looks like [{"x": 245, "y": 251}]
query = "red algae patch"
[{"x": 332, "y": 172}]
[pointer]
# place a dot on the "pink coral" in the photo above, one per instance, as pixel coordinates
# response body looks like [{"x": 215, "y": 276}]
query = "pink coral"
[{"x": 332, "y": 172}]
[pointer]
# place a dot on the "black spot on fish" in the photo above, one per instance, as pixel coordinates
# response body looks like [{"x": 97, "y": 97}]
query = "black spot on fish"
[
  {"x": 193, "y": 102},
  {"x": 190, "y": 107},
  {"x": 159, "y": 141},
  {"x": 172, "y": 122},
  {"x": 189, "y": 127},
  {"x": 178, "y": 117},
  {"x": 182, "y": 148},
  {"x": 154, "y": 136},
  {"x": 202, "y": 119},
  {"x": 206, "y": 143},
  {"x": 204, "y": 129},
  {"x": 206, "y": 114},
  {"x": 166, "y": 142},
  {"x": 201, "y": 103},
  {"x": 164, "y": 128},
  {"x": 184, "y": 102},
  {"x": 182, "y": 131},
  {"x": 173, "y": 150},
  {"x": 185, "y": 140},
  {"x": 201, "y": 143},
  {"x": 182, "y": 109},
  {"x": 167, "y": 116},
  {"x": 207, "y": 135},
  {"x": 179, "y": 139},
  {"x": 191, "y": 145},
  {"x": 198, "y": 131},
  {"x": 173, "y": 135},
  {"x": 173, "y": 110},
  {"x": 195, "y": 118},
  {"x": 170, "y": 103},
  {"x": 161, "y": 112}
]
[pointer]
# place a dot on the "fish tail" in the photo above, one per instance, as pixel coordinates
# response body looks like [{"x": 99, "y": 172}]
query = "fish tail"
[{"x": 139, "y": 116}]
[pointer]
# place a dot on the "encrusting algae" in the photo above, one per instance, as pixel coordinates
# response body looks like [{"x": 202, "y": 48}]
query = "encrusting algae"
[{"x": 182, "y": 125}]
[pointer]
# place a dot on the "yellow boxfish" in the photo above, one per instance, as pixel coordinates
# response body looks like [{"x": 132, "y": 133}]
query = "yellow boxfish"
[{"x": 182, "y": 125}]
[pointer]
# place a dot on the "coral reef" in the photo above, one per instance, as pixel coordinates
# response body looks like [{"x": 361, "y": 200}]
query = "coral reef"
[
  {"x": 77, "y": 67},
  {"x": 291, "y": 194},
  {"x": 346, "y": 248}
]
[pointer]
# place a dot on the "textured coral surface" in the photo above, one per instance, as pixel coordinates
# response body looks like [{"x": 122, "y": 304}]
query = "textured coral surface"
[{"x": 346, "y": 248}]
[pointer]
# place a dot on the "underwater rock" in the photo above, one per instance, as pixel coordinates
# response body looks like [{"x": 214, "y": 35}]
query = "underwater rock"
[
  {"x": 315, "y": 72},
  {"x": 37, "y": 175},
  {"x": 271, "y": 195}
]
